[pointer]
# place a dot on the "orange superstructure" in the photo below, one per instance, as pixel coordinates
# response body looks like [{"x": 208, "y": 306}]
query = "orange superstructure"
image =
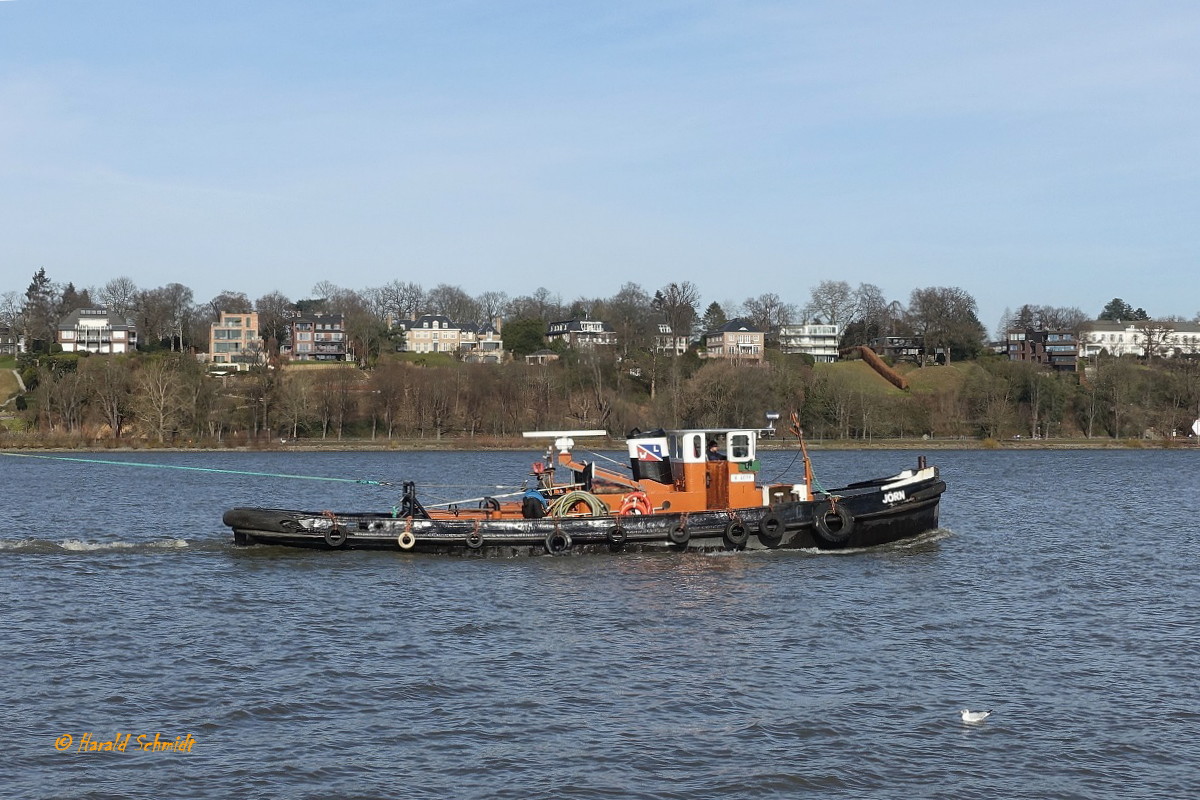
[{"x": 674, "y": 471}]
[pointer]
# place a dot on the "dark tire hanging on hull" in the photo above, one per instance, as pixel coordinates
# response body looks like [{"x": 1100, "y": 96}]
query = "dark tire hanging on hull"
[
  {"x": 833, "y": 523},
  {"x": 679, "y": 535},
  {"x": 616, "y": 538},
  {"x": 735, "y": 535},
  {"x": 770, "y": 531},
  {"x": 335, "y": 537},
  {"x": 558, "y": 542}
]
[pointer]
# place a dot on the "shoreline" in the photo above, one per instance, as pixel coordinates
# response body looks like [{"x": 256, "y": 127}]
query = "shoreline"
[{"x": 518, "y": 445}]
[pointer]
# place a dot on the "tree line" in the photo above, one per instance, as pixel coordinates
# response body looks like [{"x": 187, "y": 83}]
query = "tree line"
[
  {"x": 164, "y": 393},
  {"x": 170, "y": 318},
  {"x": 170, "y": 398}
]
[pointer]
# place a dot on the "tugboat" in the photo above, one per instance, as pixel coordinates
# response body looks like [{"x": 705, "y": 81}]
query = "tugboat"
[{"x": 688, "y": 490}]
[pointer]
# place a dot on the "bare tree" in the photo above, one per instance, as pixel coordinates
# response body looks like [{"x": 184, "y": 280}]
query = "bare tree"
[
  {"x": 119, "y": 296},
  {"x": 10, "y": 310},
  {"x": 111, "y": 385},
  {"x": 410, "y": 300},
  {"x": 542, "y": 304},
  {"x": 491, "y": 305},
  {"x": 159, "y": 404},
  {"x": 833, "y": 301},
  {"x": 768, "y": 312},
  {"x": 230, "y": 302},
  {"x": 452, "y": 302},
  {"x": 274, "y": 313},
  {"x": 871, "y": 307},
  {"x": 946, "y": 318},
  {"x": 401, "y": 300},
  {"x": 1047, "y": 318},
  {"x": 679, "y": 303},
  {"x": 1155, "y": 334},
  {"x": 628, "y": 311}
]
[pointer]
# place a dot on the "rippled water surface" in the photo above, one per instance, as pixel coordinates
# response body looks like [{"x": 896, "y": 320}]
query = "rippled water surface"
[{"x": 1061, "y": 593}]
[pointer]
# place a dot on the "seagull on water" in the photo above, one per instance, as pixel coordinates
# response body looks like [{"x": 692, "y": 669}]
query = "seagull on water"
[{"x": 975, "y": 717}]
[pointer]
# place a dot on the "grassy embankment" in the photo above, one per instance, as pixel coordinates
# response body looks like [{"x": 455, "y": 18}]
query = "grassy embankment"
[
  {"x": 854, "y": 373},
  {"x": 8, "y": 386}
]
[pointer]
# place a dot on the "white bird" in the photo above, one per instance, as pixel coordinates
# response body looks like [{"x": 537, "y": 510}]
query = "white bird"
[{"x": 975, "y": 717}]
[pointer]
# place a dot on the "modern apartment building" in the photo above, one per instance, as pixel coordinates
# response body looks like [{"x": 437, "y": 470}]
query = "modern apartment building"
[
  {"x": 95, "y": 330},
  {"x": 319, "y": 337},
  {"x": 1055, "y": 349},
  {"x": 234, "y": 340},
  {"x": 816, "y": 339}
]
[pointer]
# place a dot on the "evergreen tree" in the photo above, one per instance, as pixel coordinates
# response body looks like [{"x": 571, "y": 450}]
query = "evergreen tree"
[
  {"x": 714, "y": 317},
  {"x": 40, "y": 312},
  {"x": 524, "y": 336},
  {"x": 1117, "y": 310}
]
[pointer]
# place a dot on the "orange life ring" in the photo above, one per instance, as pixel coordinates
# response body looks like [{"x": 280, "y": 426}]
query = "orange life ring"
[{"x": 635, "y": 503}]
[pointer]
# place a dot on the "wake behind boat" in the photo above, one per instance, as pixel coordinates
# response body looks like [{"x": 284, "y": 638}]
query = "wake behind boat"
[{"x": 685, "y": 493}]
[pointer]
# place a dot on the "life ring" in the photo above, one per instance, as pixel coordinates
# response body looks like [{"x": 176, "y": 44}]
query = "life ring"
[
  {"x": 770, "y": 530},
  {"x": 406, "y": 540},
  {"x": 475, "y": 540},
  {"x": 335, "y": 536},
  {"x": 635, "y": 503},
  {"x": 822, "y": 514},
  {"x": 735, "y": 535},
  {"x": 616, "y": 537},
  {"x": 679, "y": 535},
  {"x": 558, "y": 542},
  {"x": 490, "y": 503}
]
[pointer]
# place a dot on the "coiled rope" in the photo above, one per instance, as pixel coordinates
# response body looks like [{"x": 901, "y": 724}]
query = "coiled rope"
[{"x": 561, "y": 506}]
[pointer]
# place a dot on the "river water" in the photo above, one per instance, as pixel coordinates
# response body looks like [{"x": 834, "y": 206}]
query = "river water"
[{"x": 1061, "y": 592}]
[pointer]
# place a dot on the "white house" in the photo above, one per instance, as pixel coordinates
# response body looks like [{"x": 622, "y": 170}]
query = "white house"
[
  {"x": 816, "y": 339},
  {"x": 95, "y": 330},
  {"x": 1121, "y": 338}
]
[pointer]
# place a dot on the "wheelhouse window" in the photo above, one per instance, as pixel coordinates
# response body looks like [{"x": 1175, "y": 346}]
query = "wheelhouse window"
[{"x": 741, "y": 447}]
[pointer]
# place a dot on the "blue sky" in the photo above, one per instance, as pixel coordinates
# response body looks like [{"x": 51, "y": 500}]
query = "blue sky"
[{"x": 1028, "y": 152}]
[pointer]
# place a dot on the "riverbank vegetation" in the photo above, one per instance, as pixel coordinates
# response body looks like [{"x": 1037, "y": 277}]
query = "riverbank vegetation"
[{"x": 172, "y": 399}]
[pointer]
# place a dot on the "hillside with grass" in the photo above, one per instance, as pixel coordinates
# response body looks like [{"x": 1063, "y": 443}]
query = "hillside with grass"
[{"x": 171, "y": 398}]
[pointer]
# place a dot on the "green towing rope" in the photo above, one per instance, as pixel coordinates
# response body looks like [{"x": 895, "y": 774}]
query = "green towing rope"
[{"x": 361, "y": 481}]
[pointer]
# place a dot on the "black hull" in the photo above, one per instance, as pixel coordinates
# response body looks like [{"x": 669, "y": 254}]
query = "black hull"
[{"x": 864, "y": 515}]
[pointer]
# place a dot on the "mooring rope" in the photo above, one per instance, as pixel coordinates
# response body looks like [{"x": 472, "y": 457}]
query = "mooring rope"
[{"x": 361, "y": 481}]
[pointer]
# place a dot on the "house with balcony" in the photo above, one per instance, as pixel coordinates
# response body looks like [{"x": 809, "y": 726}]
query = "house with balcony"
[
  {"x": 816, "y": 339},
  {"x": 234, "y": 340},
  {"x": 484, "y": 345},
  {"x": 436, "y": 333},
  {"x": 738, "y": 341},
  {"x": 582, "y": 334},
  {"x": 1057, "y": 350},
  {"x": 319, "y": 337},
  {"x": 667, "y": 342},
  {"x": 95, "y": 330}
]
